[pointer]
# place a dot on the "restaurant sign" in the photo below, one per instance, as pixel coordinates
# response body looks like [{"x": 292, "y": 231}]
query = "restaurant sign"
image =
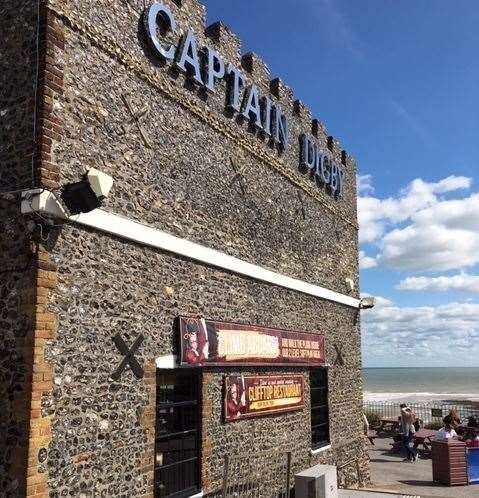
[
  {"x": 206, "y": 342},
  {"x": 248, "y": 396}
]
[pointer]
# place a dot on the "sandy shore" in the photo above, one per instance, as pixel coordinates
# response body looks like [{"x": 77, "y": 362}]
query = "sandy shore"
[{"x": 423, "y": 397}]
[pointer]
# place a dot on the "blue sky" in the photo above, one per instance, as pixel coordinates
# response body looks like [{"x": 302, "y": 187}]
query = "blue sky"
[{"x": 397, "y": 82}]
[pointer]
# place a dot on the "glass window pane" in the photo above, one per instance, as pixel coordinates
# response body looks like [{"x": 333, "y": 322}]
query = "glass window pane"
[
  {"x": 175, "y": 388},
  {"x": 176, "y": 419},
  {"x": 318, "y": 377},
  {"x": 180, "y": 477},
  {"x": 319, "y": 396},
  {"x": 320, "y": 436},
  {"x": 319, "y": 415},
  {"x": 319, "y": 407},
  {"x": 176, "y": 450}
]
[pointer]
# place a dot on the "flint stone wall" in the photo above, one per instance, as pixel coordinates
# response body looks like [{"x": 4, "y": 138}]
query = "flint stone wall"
[
  {"x": 99, "y": 437},
  {"x": 18, "y": 25},
  {"x": 181, "y": 164}
]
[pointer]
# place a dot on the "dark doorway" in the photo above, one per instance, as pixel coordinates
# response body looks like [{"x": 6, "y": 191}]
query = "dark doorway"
[{"x": 177, "y": 468}]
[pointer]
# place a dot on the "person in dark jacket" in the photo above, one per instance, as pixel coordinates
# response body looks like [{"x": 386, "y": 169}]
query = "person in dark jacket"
[{"x": 472, "y": 422}]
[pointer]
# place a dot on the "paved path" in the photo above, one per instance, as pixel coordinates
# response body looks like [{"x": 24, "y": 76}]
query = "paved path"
[{"x": 389, "y": 472}]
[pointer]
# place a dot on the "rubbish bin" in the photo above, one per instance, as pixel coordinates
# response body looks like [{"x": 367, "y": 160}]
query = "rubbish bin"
[{"x": 449, "y": 462}]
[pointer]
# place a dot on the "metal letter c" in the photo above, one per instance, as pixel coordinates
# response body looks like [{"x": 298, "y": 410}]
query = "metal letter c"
[{"x": 151, "y": 23}]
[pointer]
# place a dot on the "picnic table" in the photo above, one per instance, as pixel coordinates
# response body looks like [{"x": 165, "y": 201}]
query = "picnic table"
[
  {"x": 424, "y": 437},
  {"x": 389, "y": 424},
  {"x": 464, "y": 429}
]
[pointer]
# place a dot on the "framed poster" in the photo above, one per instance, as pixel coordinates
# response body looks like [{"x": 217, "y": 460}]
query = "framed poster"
[
  {"x": 248, "y": 396},
  {"x": 206, "y": 342}
]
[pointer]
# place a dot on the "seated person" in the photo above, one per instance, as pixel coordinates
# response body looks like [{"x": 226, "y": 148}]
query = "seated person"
[
  {"x": 452, "y": 418},
  {"x": 417, "y": 424},
  {"x": 469, "y": 434},
  {"x": 447, "y": 432},
  {"x": 472, "y": 422}
]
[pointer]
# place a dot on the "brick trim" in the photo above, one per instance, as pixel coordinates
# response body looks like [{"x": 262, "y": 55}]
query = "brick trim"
[
  {"x": 44, "y": 329},
  {"x": 148, "y": 422},
  {"x": 206, "y": 446},
  {"x": 49, "y": 130},
  {"x": 49, "y": 126}
]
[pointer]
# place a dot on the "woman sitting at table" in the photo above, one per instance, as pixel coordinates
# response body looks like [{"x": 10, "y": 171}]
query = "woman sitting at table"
[
  {"x": 452, "y": 418},
  {"x": 447, "y": 432}
]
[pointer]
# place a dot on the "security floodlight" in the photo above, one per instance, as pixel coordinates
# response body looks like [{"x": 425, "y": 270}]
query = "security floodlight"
[
  {"x": 100, "y": 183},
  {"x": 88, "y": 194},
  {"x": 367, "y": 302}
]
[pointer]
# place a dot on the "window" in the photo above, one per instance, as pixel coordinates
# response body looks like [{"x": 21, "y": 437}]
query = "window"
[
  {"x": 177, "y": 433},
  {"x": 318, "y": 381}
]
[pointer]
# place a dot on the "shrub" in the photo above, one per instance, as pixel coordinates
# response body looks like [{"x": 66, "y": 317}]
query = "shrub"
[{"x": 374, "y": 418}]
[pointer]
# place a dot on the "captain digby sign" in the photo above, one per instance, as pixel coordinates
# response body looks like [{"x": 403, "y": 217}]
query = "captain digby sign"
[{"x": 206, "y": 67}]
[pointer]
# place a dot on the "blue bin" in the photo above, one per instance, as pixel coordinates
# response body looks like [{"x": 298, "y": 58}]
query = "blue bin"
[{"x": 473, "y": 465}]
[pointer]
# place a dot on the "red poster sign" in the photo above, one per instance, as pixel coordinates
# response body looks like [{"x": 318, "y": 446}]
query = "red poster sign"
[
  {"x": 248, "y": 396},
  {"x": 205, "y": 342}
]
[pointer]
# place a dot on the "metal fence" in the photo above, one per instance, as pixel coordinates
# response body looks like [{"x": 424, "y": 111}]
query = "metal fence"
[
  {"x": 248, "y": 477},
  {"x": 428, "y": 412}
]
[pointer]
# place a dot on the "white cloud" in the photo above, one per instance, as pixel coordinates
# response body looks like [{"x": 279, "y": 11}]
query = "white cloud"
[
  {"x": 442, "y": 237},
  {"x": 440, "y": 234},
  {"x": 462, "y": 282},
  {"x": 366, "y": 262},
  {"x": 462, "y": 213},
  {"x": 452, "y": 183},
  {"x": 375, "y": 214},
  {"x": 365, "y": 184},
  {"x": 442, "y": 335}
]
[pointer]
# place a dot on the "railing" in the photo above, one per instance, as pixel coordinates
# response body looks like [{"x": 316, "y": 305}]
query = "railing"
[
  {"x": 354, "y": 462},
  {"x": 428, "y": 412}
]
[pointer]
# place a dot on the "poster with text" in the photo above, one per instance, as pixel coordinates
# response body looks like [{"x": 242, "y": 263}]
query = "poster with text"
[
  {"x": 207, "y": 342},
  {"x": 248, "y": 396}
]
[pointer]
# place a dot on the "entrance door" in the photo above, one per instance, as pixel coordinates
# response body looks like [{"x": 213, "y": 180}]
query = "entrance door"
[{"x": 177, "y": 466}]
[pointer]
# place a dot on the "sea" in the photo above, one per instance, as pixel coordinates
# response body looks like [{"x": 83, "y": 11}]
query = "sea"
[{"x": 421, "y": 384}]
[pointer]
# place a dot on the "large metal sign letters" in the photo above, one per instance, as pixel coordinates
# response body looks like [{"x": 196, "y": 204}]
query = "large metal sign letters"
[{"x": 206, "y": 67}]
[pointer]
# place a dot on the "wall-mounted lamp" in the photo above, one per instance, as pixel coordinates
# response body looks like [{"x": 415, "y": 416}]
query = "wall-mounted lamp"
[{"x": 367, "y": 302}]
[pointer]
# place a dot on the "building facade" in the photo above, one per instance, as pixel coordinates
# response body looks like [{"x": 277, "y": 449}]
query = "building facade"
[{"x": 232, "y": 216}]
